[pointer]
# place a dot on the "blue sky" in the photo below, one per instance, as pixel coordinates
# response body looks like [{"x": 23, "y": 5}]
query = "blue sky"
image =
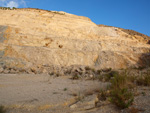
[{"x": 128, "y": 14}]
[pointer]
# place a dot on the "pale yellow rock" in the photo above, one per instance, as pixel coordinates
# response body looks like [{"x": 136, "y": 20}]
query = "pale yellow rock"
[{"x": 40, "y": 37}]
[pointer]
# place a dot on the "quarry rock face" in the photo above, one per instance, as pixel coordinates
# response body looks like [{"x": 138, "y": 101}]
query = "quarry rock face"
[{"x": 38, "y": 38}]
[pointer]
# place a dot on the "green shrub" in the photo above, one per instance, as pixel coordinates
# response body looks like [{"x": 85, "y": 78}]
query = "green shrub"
[
  {"x": 56, "y": 12},
  {"x": 123, "y": 98},
  {"x": 107, "y": 77},
  {"x": 75, "y": 77},
  {"x": 87, "y": 68},
  {"x": 111, "y": 74},
  {"x": 2, "y": 109},
  {"x": 100, "y": 77},
  {"x": 121, "y": 94},
  {"x": 65, "y": 89},
  {"x": 102, "y": 95}
]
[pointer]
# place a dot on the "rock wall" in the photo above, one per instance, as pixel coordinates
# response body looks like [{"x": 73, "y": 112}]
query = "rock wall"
[{"x": 35, "y": 38}]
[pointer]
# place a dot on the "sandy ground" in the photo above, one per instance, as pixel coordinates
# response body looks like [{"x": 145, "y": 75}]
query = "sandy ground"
[
  {"x": 42, "y": 91},
  {"x": 26, "y": 93}
]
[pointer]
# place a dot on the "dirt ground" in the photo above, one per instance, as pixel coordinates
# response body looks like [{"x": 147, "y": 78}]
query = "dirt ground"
[
  {"x": 29, "y": 93},
  {"x": 34, "y": 93}
]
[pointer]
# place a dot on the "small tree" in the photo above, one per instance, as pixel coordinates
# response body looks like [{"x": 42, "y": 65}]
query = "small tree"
[{"x": 14, "y": 8}]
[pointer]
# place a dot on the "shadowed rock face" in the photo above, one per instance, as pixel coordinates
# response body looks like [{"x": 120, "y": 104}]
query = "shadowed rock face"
[
  {"x": 2, "y": 30},
  {"x": 35, "y": 38}
]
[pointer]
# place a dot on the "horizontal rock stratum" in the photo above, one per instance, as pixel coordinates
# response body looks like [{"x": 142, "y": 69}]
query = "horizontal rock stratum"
[{"x": 36, "y": 38}]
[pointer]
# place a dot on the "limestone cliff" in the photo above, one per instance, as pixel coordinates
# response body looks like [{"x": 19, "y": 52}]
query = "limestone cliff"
[{"x": 33, "y": 37}]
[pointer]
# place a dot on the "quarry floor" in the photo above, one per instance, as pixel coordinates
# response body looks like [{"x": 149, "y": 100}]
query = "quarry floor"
[
  {"x": 29, "y": 93},
  {"x": 42, "y": 92}
]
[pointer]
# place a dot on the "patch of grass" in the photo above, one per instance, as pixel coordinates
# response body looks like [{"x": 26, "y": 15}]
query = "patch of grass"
[
  {"x": 100, "y": 77},
  {"x": 65, "y": 89},
  {"x": 55, "y": 92},
  {"x": 107, "y": 70},
  {"x": 132, "y": 78},
  {"x": 75, "y": 77},
  {"x": 143, "y": 80},
  {"x": 113, "y": 73},
  {"x": 80, "y": 97},
  {"x": 2, "y": 109},
  {"x": 98, "y": 72},
  {"x": 93, "y": 70},
  {"x": 102, "y": 96}
]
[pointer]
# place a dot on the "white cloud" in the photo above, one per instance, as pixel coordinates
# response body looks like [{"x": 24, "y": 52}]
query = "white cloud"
[{"x": 12, "y": 4}]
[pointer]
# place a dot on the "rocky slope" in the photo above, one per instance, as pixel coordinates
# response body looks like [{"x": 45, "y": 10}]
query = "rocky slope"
[{"x": 33, "y": 38}]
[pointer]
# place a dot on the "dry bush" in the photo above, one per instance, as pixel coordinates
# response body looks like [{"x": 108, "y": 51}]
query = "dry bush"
[{"x": 120, "y": 91}]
